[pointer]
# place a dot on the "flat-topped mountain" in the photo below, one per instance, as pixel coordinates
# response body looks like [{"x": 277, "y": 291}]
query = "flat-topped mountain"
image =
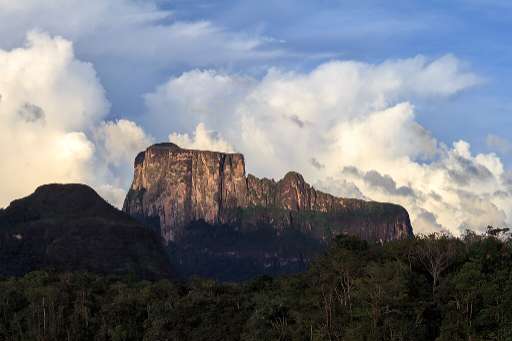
[
  {"x": 197, "y": 213},
  {"x": 173, "y": 187},
  {"x": 69, "y": 228},
  {"x": 216, "y": 218}
]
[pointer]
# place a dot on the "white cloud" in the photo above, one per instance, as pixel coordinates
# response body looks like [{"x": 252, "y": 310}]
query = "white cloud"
[
  {"x": 51, "y": 107},
  {"x": 348, "y": 115},
  {"x": 194, "y": 97},
  {"x": 35, "y": 77},
  {"x": 202, "y": 139},
  {"x": 117, "y": 144},
  {"x": 340, "y": 116},
  {"x": 48, "y": 99},
  {"x": 307, "y": 110},
  {"x": 142, "y": 32},
  {"x": 340, "y": 187},
  {"x": 114, "y": 195},
  {"x": 121, "y": 141},
  {"x": 133, "y": 43}
]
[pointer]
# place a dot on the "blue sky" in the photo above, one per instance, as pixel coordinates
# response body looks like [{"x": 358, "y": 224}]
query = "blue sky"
[
  {"x": 402, "y": 101},
  {"x": 313, "y": 32},
  {"x": 478, "y": 32}
]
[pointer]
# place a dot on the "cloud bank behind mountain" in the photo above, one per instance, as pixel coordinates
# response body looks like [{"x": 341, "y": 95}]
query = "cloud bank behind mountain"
[
  {"x": 357, "y": 121},
  {"x": 351, "y": 127}
]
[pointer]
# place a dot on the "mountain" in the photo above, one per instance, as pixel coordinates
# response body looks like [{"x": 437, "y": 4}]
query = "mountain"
[
  {"x": 69, "y": 228},
  {"x": 219, "y": 222}
]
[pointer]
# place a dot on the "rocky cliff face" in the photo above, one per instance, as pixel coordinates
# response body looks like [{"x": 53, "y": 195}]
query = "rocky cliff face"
[{"x": 173, "y": 187}]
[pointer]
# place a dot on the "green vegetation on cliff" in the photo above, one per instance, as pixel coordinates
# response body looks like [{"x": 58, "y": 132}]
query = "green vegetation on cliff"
[{"x": 427, "y": 288}]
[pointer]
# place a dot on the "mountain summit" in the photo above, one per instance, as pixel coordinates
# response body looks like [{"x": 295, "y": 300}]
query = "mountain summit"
[
  {"x": 219, "y": 222},
  {"x": 173, "y": 187}
]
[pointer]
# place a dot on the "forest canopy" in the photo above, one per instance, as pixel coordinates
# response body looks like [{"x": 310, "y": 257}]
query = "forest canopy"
[{"x": 433, "y": 287}]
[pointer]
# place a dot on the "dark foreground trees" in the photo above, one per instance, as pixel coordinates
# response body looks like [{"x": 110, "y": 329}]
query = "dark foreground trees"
[{"x": 430, "y": 288}]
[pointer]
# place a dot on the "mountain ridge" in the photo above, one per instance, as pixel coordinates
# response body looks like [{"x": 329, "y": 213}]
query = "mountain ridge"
[
  {"x": 220, "y": 223},
  {"x": 175, "y": 186}
]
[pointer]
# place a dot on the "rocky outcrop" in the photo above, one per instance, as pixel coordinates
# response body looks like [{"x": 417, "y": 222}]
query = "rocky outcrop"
[{"x": 173, "y": 187}]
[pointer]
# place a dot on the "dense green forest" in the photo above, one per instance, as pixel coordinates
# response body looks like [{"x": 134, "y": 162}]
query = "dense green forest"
[{"x": 432, "y": 287}]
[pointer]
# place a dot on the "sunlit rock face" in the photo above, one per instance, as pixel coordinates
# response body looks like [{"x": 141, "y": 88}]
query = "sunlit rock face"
[{"x": 173, "y": 187}]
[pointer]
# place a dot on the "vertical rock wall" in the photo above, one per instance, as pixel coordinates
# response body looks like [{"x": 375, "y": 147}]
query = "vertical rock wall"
[{"x": 173, "y": 187}]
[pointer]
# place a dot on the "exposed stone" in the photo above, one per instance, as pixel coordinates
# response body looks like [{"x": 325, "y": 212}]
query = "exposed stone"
[{"x": 173, "y": 187}]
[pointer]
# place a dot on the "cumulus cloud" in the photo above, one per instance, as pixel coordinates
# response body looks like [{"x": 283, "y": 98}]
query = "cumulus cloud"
[
  {"x": 48, "y": 98},
  {"x": 51, "y": 109},
  {"x": 194, "y": 97},
  {"x": 351, "y": 128},
  {"x": 111, "y": 193},
  {"x": 356, "y": 98},
  {"x": 117, "y": 143},
  {"x": 35, "y": 83},
  {"x": 375, "y": 180},
  {"x": 202, "y": 139},
  {"x": 340, "y": 187},
  {"x": 428, "y": 221},
  {"x": 135, "y": 44},
  {"x": 121, "y": 141}
]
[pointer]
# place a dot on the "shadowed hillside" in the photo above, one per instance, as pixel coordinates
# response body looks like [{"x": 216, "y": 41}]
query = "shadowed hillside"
[{"x": 70, "y": 227}]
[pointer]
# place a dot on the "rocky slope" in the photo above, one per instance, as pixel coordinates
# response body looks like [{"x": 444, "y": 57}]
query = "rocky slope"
[
  {"x": 173, "y": 187},
  {"x": 70, "y": 228}
]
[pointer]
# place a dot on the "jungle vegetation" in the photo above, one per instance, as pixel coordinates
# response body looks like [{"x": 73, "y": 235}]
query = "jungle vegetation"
[{"x": 433, "y": 287}]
